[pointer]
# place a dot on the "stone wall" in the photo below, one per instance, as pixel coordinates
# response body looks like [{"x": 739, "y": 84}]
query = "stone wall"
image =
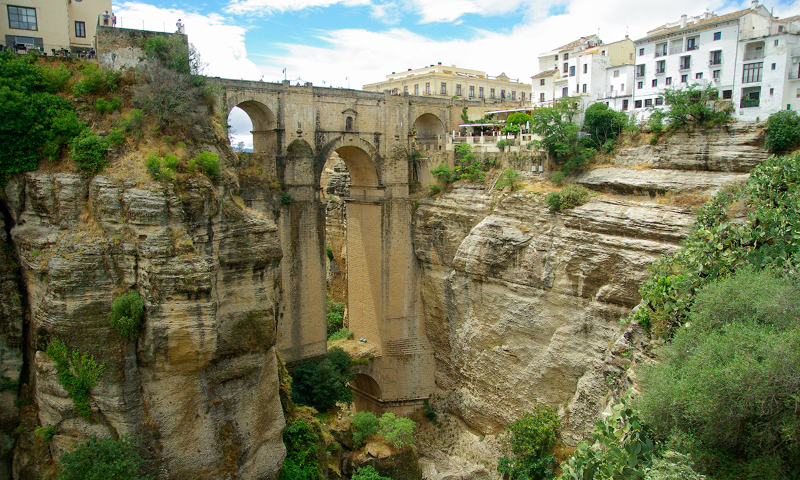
[{"x": 123, "y": 48}]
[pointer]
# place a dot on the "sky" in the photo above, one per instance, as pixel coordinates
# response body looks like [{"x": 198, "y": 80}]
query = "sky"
[{"x": 350, "y": 43}]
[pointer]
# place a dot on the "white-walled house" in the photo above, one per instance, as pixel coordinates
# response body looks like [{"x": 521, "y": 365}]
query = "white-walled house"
[
  {"x": 618, "y": 94},
  {"x": 746, "y": 55}
]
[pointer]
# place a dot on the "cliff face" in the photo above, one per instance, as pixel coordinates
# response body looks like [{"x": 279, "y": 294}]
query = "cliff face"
[
  {"x": 522, "y": 305},
  {"x": 200, "y": 384}
]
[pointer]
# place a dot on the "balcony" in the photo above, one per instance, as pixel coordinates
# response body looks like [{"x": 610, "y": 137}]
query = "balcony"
[
  {"x": 662, "y": 53},
  {"x": 692, "y": 47},
  {"x": 640, "y": 74},
  {"x": 661, "y": 71},
  {"x": 674, "y": 50},
  {"x": 685, "y": 66},
  {"x": 715, "y": 62},
  {"x": 753, "y": 55},
  {"x": 749, "y": 102},
  {"x": 794, "y": 76}
]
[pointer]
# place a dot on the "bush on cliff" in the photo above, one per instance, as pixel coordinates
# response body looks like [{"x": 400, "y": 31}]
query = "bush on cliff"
[
  {"x": 693, "y": 105},
  {"x": 302, "y": 451},
  {"x": 323, "y": 384},
  {"x": 368, "y": 472},
  {"x": 533, "y": 438},
  {"x": 76, "y": 373},
  {"x": 101, "y": 459},
  {"x": 571, "y": 196},
  {"x": 127, "y": 313},
  {"x": 783, "y": 131}
]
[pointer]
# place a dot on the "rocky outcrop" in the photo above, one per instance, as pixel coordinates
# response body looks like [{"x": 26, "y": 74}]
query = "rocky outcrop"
[
  {"x": 521, "y": 304},
  {"x": 200, "y": 384},
  {"x": 656, "y": 181}
]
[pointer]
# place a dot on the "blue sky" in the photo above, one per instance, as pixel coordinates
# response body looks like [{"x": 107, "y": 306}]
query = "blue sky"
[{"x": 354, "y": 42}]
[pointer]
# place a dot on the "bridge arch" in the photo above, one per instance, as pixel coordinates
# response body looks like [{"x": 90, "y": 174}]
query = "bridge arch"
[
  {"x": 429, "y": 132},
  {"x": 265, "y": 135},
  {"x": 362, "y": 158},
  {"x": 367, "y": 393}
]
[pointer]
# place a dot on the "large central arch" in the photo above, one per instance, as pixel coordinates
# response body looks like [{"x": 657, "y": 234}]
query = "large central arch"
[{"x": 429, "y": 132}]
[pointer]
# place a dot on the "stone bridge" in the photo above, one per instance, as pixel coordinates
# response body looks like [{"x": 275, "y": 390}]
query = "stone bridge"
[{"x": 295, "y": 130}]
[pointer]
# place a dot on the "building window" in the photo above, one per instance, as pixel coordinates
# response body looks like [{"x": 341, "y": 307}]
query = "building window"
[
  {"x": 584, "y": 88},
  {"x": 715, "y": 58},
  {"x": 686, "y": 62},
  {"x": 661, "y": 66},
  {"x": 698, "y": 76},
  {"x": 585, "y": 67},
  {"x": 458, "y": 89},
  {"x": 427, "y": 88},
  {"x": 541, "y": 82},
  {"x": 640, "y": 70},
  {"x": 416, "y": 89},
  {"x": 22, "y": 18},
  {"x": 772, "y": 91},
  {"x": 616, "y": 73},
  {"x": 513, "y": 95},
  {"x": 641, "y": 51},
  {"x": 405, "y": 90},
  {"x": 502, "y": 94},
  {"x": 661, "y": 50},
  {"x": 715, "y": 74},
  {"x": 752, "y": 72},
  {"x": 565, "y": 92},
  {"x": 691, "y": 44},
  {"x": 572, "y": 71},
  {"x": 648, "y": 103},
  {"x": 717, "y": 35},
  {"x": 443, "y": 89},
  {"x": 776, "y": 42},
  {"x": 541, "y": 97},
  {"x": 480, "y": 92},
  {"x": 471, "y": 91},
  {"x": 522, "y": 96},
  {"x": 684, "y": 78},
  {"x": 639, "y": 85},
  {"x": 655, "y": 82},
  {"x": 637, "y": 104},
  {"x": 566, "y": 56},
  {"x": 556, "y": 57},
  {"x": 668, "y": 81},
  {"x": 491, "y": 93},
  {"x": 773, "y": 67},
  {"x": 659, "y": 101},
  {"x": 80, "y": 29},
  {"x": 622, "y": 87},
  {"x": 348, "y": 124},
  {"x": 727, "y": 94},
  {"x": 624, "y": 104}
]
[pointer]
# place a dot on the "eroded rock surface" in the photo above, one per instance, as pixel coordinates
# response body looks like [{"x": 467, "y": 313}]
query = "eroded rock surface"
[{"x": 200, "y": 384}]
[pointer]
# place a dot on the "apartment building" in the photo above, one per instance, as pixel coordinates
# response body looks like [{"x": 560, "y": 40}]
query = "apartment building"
[
  {"x": 51, "y": 24},
  {"x": 442, "y": 81},
  {"x": 584, "y": 68},
  {"x": 748, "y": 55}
]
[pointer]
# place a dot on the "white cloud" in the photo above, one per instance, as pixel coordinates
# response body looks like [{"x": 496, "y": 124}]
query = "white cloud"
[
  {"x": 221, "y": 44},
  {"x": 271, "y": 6},
  {"x": 451, "y": 10}
]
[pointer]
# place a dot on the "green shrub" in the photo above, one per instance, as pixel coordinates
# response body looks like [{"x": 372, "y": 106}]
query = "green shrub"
[
  {"x": 329, "y": 252},
  {"x": 46, "y": 433},
  {"x": 397, "y": 431},
  {"x": 603, "y": 124},
  {"x": 368, "y": 472},
  {"x": 77, "y": 384},
  {"x": 101, "y": 459},
  {"x": 302, "y": 451},
  {"x": 115, "y": 137},
  {"x": 286, "y": 198},
  {"x": 428, "y": 411},
  {"x": 341, "y": 334},
  {"x": 55, "y": 77},
  {"x": 96, "y": 81},
  {"x": 104, "y": 106},
  {"x": 512, "y": 129},
  {"x": 444, "y": 174},
  {"x": 533, "y": 438},
  {"x": 88, "y": 152},
  {"x": 132, "y": 123},
  {"x": 509, "y": 178},
  {"x": 621, "y": 449},
  {"x": 783, "y": 131},
  {"x": 571, "y": 196},
  {"x": 127, "y": 313},
  {"x": 672, "y": 466},
  {"x": 505, "y": 143},
  {"x": 365, "y": 424},
  {"x": 434, "y": 190},
  {"x": 728, "y": 380},
  {"x": 34, "y": 121},
  {"x": 324, "y": 384},
  {"x": 334, "y": 316},
  {"x": 693, "y": 105},
  {"x": 206, "y": 162},
  {"x": 557, "y": 177}
]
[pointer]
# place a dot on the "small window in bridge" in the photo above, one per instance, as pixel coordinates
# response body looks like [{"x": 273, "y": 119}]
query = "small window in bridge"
[{"x": 348, "y": 124}]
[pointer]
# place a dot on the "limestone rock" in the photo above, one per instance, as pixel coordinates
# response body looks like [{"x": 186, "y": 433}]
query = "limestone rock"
[
  {"x": 630, "y": 181},
  {"x": 397, "y": 465}
]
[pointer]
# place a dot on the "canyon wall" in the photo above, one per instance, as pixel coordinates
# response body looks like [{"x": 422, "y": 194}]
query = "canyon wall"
[
  {"x": 199, "y": 387},
  {"x": 522, "y": 305}
]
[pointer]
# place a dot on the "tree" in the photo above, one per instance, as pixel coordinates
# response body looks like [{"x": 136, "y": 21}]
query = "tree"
[
  {"x": 559, "y": 135},
  {"x": 783, "y": 131},
  {"x": 533, "y": 438},
  {"x": 323, "y": 384},
  {"x": 126, "y": 314},
  {"x": 368, "y": 472},
  {"x": 603, "y": 123},
  {"x": 518, "y": 118},
  {"x": 693, "y": 104},
  {"x": 101, "y": 459}
]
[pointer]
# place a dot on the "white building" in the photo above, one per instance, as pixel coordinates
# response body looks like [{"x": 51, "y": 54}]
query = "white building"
[
  {"x": 582, "y": 68},
  {"x": 744, "y": 54}
]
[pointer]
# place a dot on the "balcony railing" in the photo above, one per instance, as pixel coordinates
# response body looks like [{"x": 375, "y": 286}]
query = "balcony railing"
[
  {"x": 662, "y": 53},
  {"x": 639, "y": 74},
  {"x": 660, "y": 71},
  {"x": 753, "y": 55},
  {"x": 749, "y": 102},
  {"x": 685, "y": 66},
  {"x": 793, "y": 75},
  {"x": 712, "y": 63},
  {"x": 674, "y": 50},
  {"x": 692, "y": 47}
]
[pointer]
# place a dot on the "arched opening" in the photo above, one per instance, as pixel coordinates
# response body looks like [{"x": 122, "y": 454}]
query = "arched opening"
[
  {"x": 367, "y": 393},
  {"x": 429, "y": 132},
  {"x": 262, "y": 126},
  {"x": 348, "y": 124},
  {"x": 334, "y": 185}
]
